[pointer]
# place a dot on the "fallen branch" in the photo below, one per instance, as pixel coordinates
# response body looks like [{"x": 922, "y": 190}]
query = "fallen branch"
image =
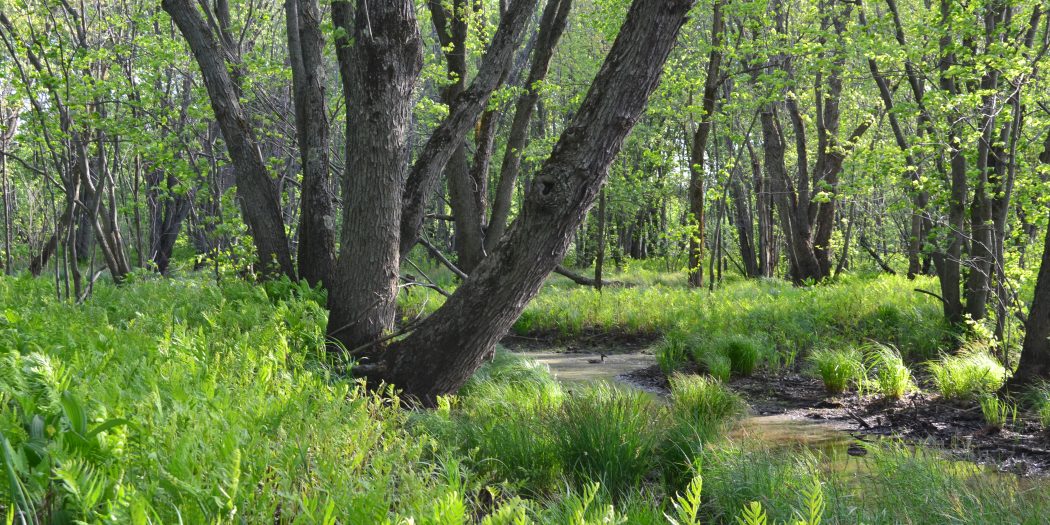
[
  {"x": 583, "y": 279},
  {"x": 441, "y": 257}
]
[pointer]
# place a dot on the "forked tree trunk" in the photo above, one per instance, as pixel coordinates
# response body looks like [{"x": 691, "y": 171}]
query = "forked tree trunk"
[
  {"x": 446, "y": 349},
  {"x": 255, "y": 190},
  {"x": 552, "y": 25}
]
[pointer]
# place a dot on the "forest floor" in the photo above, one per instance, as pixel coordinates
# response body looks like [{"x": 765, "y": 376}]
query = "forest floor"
[{"x": 789, "y": 407}]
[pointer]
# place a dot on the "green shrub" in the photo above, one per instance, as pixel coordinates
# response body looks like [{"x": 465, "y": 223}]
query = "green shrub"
[
  {"x": 838, "y": 369},
  {"x": 892, "y": 378},
  {"x": 610, "y": 434},
  {"x": 997, "y": 412},
  {"x": 970, "y": 374}
]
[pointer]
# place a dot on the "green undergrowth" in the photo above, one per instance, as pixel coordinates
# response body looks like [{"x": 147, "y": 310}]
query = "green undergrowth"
[
  {"x": 187, "y": 401},
  {"x": 773, "y": 313},
  {"x": 772, "y": 320}
]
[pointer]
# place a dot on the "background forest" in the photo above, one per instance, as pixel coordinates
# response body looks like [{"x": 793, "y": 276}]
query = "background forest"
[{"x": 259, "y": 255}]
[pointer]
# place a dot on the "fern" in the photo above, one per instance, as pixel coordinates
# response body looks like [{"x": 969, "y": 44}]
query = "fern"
[
  {"x": 687, "y": 505},
  {"x": 752, "y": 514},
  {"x": 511, "y": 512},
  {"x": 813, "y": 496}
]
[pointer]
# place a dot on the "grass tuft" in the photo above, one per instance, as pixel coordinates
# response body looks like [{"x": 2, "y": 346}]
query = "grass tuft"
[
  {"x": 743, "y": 352},
  {"x": 968, "y": 375},
  {"x": 838, "y": 369},
  {"x": 997, "y": 412},
  {"x": 892, "y": 378},
  {"x": 610, "y": 434}
]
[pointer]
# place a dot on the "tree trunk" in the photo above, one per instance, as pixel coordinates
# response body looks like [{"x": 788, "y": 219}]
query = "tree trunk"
[
  {"x": 380, "y": 72},
  {"x": 446, "y": 349},
  {"x": 745, "y": 227},
  {"x": 256, "y": 192},
  {"x": 699, "y": 146},
  {"x": 552, "y": 25},
  {"x": 1034, "y": 365},
  {"x": 316, "y": 249},
  {"x": 451, "y": 27},
  {"x": 599, "y": 261}
]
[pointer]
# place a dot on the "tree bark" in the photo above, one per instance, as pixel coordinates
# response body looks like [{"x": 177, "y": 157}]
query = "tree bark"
[
  {"x": 316, "y": 248},
  {"x": 255, "y": 190},
  {"x": 463, "y": 114},
  {"x": 1034, "y": 365},
  {"x": 446, "y": 349},
  {"x": 379, "y": 71}
]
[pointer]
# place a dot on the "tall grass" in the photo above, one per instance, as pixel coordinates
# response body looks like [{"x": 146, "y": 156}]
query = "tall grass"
[
  {"x": 892, "y": 378},
  {"x": 784, "y": 317},
  {"x": 970, "y": 374},
  {"x": 838, "y": 368},
  {"x": 611, "y": 435}
]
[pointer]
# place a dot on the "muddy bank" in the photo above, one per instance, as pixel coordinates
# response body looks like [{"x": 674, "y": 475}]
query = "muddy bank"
[
  {"x": 956, "y": 427},
  {"x": 793, "y": 408}
]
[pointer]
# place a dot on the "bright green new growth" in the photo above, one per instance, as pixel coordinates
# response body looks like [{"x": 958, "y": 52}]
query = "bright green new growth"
[
  {"x": 838, "y": 369},
  {"x": 672, "y": 352},
  {"x": 892, "y": 378},
  {"x": 704, "y": 404},
  {"x": 998, "y": 413},
  {"x": 970, "y": 374}
]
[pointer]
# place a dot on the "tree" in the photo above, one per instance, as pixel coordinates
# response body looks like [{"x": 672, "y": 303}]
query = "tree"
[
  {"x": 1034, "y": 365},
  {"x": 316, "y": 242},
  {"x": 447, "y": 347},
  {"x": 699, "y": 147},
  {"x": 213, "y": 47}
]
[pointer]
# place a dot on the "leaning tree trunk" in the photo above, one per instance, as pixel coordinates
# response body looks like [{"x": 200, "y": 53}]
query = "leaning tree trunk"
[
  {"x": 257, "y": 193},
  {"x": 1034, "y": 365},
  {"x": 446, "y": 349}
]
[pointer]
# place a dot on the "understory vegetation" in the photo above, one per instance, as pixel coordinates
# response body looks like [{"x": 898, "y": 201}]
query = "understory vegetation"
[{"x": 183, "y": 400}]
